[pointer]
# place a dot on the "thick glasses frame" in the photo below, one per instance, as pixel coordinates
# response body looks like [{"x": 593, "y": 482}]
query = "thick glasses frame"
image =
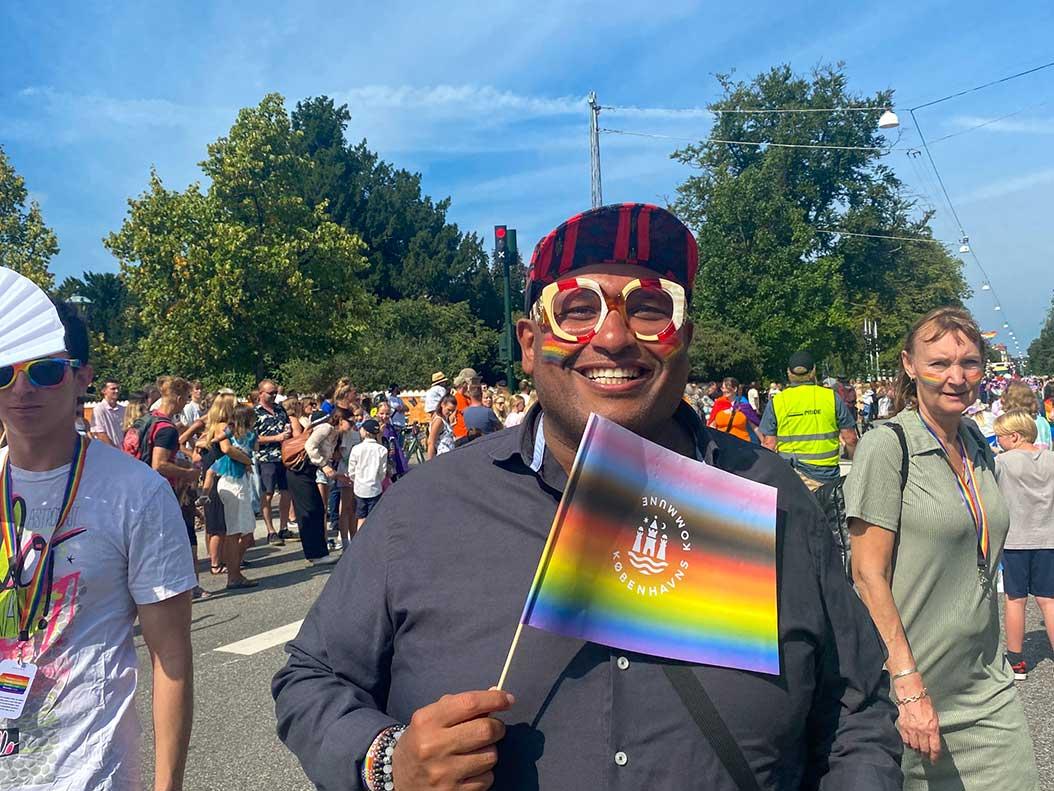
[
  {"x": 543, "y": 308},
  {"x": 27, "y": 368}
]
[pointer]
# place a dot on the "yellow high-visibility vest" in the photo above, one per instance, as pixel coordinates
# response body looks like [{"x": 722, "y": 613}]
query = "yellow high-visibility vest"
[{"x": 807, "y": 425}]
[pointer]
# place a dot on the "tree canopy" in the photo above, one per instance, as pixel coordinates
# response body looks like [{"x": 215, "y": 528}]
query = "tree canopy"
[
  {"x": 246, "y": 274},
  {"x": 769, "y": 264},
  {"x": 305, "y": 255},
  {"x": 1041, "y": 350},
  {"x": 27, "y": 245}
]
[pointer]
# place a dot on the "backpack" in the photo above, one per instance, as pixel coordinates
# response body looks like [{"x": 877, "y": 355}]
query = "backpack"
[
  {"x": 139, "y": 438},
  {"x": 831, "y": 498}
]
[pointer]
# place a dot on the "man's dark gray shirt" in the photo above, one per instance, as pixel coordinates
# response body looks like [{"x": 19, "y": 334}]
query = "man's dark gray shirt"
[{"x": 426, "y": 601}]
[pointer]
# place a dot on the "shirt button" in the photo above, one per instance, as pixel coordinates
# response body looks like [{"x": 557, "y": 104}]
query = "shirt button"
[
  {"x": 621, "y": 759},
  {"x": 622, "y": 663}
]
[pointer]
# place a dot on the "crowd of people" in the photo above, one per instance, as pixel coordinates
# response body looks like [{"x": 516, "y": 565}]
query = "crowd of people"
[
  {"x": 892, "y": 673},
  {"x": 223, "y": 454}
]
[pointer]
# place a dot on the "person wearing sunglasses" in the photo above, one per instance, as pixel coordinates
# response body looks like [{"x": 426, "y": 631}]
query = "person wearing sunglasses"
[
  {"x": 92, "y": 541},
  {"x": 390, "y": 676}
]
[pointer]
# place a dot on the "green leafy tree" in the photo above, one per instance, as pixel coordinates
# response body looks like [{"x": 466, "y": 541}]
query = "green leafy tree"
[
  {"x": 718, "y": 351},
  {"x": 1041, "y": 350},
  {"x": 769, "y": 266},
  {"x": 27, "y": 245},
  {"x": 107, "y": 305},
  {"x": 406, "y": 341},
  {"x": 247, "y": 274},
  {"x": 413, "y": 251}
]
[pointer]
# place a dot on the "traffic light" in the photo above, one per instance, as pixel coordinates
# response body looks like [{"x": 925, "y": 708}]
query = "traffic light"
[{"x": 501, "y": 237}]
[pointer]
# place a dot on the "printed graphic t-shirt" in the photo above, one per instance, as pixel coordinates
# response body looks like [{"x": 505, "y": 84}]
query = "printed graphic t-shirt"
[{"x": 79, "y": 729}]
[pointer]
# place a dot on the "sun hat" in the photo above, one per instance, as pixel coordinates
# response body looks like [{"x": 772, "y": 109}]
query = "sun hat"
[{"x": 438, "y": 377}]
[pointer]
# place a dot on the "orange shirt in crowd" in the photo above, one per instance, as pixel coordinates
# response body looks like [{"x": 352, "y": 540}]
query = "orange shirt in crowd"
[
  {"x": 723, "y": 418},
  {"x": 459, "y": 419}
]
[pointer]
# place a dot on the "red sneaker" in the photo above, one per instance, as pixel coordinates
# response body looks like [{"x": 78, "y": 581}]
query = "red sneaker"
[{"x": 1020, "y": 671}]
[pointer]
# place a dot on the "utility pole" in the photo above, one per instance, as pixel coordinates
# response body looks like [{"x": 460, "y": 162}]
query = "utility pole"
[{"x": 594, "y": 150}]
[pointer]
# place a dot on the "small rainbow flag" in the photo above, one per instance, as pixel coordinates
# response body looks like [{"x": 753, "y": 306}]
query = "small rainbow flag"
[
  {"x": 989, "y": 334},
  {"x": 659, "y": 554},
  {"x": 13, "y": 683}
]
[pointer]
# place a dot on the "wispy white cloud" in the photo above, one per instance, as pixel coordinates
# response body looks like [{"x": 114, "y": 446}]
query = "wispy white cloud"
[
  {"x": 488, "y": 99},
  {"x": 126, "y": 112},
  {"x": 1030, "y": 126},
  {"x": 459, "y": 98},
  {"x": 1008, "y": 186}
]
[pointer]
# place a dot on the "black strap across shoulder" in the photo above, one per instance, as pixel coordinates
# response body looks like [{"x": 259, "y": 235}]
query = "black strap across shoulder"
[
  {"x": 692, "y": 693},
  {"x": 899, "y": 431}
]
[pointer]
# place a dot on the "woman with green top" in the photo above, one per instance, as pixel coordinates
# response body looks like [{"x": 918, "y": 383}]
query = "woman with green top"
[{"x": 925, "y": 554}]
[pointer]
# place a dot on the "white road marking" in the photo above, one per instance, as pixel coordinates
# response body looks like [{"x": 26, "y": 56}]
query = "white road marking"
[{"x": 263, "y": 641}]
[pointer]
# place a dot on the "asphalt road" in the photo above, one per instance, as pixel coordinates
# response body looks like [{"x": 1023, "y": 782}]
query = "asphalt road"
[
  {"x": 233, "y": 744},
  {"x": 234, "y": 747}
]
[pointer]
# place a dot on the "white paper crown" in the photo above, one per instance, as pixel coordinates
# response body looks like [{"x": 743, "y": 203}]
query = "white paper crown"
[{"x": 29, "y": 323}]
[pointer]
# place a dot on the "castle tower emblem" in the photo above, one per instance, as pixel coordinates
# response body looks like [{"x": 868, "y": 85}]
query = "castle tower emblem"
[{"x": 648, "y": 555}]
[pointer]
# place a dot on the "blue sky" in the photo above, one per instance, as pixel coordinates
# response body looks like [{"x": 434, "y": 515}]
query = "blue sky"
[{"x": 486, "y": 101}]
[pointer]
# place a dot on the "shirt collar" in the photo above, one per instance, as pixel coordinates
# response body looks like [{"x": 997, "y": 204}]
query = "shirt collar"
[
  {"x": 920, "y": 440},
  {"x": 527, "y": 442}
]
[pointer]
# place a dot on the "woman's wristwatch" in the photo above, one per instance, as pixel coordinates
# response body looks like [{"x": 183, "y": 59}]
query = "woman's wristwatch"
[{"x": 377, "y": 766}]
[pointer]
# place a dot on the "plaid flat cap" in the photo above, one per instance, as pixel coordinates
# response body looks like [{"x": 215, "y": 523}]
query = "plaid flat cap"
[{"x": 622, "y": 233}]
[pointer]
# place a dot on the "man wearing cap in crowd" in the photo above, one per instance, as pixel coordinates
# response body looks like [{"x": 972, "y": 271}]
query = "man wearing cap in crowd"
[
  {"x": 465, "y": 379},
  {"x": 388, "y": 683},
  {"x": 435, "y": 393},
  {"x": 93, "y": 540},
  {"x": 806, "y": 424}
]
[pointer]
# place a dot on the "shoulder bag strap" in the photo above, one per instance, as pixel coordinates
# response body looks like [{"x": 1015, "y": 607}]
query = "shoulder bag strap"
[
  {"x": 731, "y": 417},
  {"x": 899, "y": 431},
  {"x": 902, "y": 439},
  {"x": 692, "y": 693}
]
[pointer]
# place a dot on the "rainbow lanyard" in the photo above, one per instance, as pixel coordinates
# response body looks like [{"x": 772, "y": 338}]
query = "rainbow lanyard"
[
  {"x": 971, "y": 495},
  {"x": 12, "y": 515}
]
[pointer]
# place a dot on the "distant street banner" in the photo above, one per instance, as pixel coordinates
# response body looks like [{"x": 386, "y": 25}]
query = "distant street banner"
[{"x": 659, "y": 554}]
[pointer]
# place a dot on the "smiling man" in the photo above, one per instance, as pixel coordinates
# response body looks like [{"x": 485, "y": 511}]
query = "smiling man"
[
  {"x": 92, "y": 540},
  {"x": 388, "y": 683}
]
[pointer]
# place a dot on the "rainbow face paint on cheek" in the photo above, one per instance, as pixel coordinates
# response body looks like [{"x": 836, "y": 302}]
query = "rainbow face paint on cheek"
[
  {"x": 934, "y": 382},
  {"x": 973, "y": 376},
  {"x": 668, "y": 348},
  {"x": 554, "y": 352}
]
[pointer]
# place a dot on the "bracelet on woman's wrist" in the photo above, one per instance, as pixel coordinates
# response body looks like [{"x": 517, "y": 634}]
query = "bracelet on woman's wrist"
[
  {"x": 912, "y": 698},
  {"x": 905, "y": 673}
]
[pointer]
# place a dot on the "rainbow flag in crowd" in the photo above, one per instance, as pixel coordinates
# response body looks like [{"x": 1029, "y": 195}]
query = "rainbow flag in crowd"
[
  {"x": 659, "y": 554},
  {"x": 989, "y": 334}
]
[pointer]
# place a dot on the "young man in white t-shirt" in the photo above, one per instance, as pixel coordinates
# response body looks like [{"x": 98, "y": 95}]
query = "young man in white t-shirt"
[{"x": 121, "y": 553}]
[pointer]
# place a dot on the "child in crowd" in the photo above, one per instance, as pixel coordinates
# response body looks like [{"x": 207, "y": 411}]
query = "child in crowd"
[
  {"x": 1025, "y": 473},
  {"x": 367, "y": 469}
]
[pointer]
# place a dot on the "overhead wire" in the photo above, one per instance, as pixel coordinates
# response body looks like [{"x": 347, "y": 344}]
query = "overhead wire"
[
  {"x": 744, "y": 142},
  {"x": 982, "y": 87},
  {"x": 699, "y": 110},
  {"x": 998, "y": 305},
  {"x": 880, "y": 236},
  {"x": 991, "y": 121}
]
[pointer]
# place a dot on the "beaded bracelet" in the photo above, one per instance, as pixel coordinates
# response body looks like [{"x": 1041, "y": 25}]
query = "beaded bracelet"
[
  {"x": 377, "y": 766},
  {"x": 913, "y": 698}
]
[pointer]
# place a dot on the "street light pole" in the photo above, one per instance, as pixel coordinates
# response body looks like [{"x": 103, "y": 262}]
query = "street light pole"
[{"x": 594, "y": 150}]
